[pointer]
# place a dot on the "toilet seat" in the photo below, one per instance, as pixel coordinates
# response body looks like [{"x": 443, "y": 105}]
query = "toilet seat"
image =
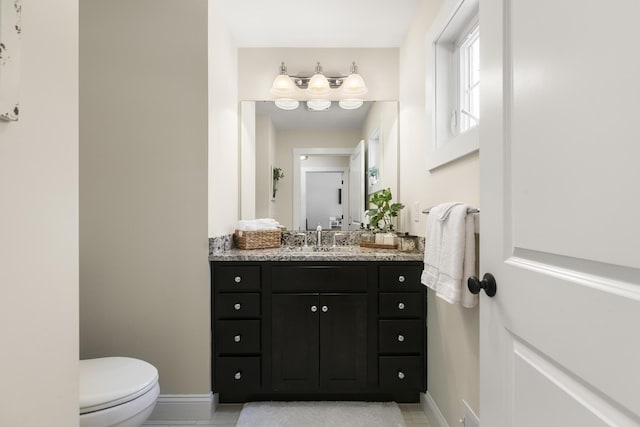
[{"x": 111, "y": 381}]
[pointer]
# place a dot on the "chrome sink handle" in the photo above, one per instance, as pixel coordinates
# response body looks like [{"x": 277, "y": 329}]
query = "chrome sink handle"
[{"x": 333, "y": 244}]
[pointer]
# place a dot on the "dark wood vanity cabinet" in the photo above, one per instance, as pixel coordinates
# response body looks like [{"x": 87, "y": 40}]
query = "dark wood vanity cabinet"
[
  {"x": 319, "y": 342},
  {"x": 318, "y": 330}
]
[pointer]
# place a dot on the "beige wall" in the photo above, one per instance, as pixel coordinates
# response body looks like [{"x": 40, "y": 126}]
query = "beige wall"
[
  {"x": 144, "y": 277},
  {"x": 453, "y": 331},
  {"x": 286, "y": 141},
  {"x": 224, "y": 160},
  {"x": 39, "y": 226},
  {"x": 326, "y": 161}
]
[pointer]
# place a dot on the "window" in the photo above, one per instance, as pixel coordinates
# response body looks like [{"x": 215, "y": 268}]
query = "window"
[
  {"x": 453, "y": 66},
  {"x": 469, "y": 77}
]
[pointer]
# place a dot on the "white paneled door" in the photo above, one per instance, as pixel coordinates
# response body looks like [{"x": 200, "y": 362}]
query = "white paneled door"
[{"x": 560, "y": 192}]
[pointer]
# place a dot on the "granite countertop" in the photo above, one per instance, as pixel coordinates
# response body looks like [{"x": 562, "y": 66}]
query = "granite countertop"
[{"x": 326, "y": 253}]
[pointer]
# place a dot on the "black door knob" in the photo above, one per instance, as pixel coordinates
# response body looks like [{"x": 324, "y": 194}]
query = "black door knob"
[{"x": 488, "y": 284}]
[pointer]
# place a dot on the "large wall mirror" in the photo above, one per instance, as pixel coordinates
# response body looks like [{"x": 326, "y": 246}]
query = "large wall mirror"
[{"x": 332, "y": 161}]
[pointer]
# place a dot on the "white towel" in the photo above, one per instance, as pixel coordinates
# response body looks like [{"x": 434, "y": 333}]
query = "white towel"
[
  {"x": 257, "y": 224},
  {"x": 449, "y": 256}
]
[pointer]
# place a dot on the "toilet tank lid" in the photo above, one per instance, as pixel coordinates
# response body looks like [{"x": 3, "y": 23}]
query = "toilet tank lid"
[{"x": 109, "y": 381}]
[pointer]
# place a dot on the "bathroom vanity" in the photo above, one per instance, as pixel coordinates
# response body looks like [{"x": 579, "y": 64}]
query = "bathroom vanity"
[{"x": 292, "y": 326}]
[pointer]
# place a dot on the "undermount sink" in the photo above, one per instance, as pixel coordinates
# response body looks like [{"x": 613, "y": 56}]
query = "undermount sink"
[
  {"x": 328, "y": 249},
  {"x": 334, "y": 249}
]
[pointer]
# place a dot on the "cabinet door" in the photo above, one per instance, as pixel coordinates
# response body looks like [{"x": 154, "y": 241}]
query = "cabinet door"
[
  {"x": 343, "y": 342},
  {"x": 295, "y": 342}
]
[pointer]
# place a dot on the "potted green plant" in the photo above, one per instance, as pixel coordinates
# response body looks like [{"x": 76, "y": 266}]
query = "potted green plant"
[
  {"x": 381, "y": 210},
  {"x": 277, "y": 175}
]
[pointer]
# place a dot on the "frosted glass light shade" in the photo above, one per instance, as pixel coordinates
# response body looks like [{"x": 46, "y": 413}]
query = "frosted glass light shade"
[
  {"x": 354, "y": 85},
  {"x": 319, "y": 85},
  {"x": 283, "y": 86},
  {"x": 319, "y": 104},
  {"x": 287, "y": 103},
  {"x": 350, "y": 104}
]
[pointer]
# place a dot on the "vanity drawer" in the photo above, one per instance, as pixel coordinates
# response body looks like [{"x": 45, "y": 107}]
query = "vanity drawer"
[
  {"x": 237, "y": 374},
  {"x": 400, "y": 304},
  {"x": 237, "y": 305},
  {"x": 319, "y": 278},
  {"x": 234, "y": 278},
  {"x": 401, "y": 373},
  {"x": 400, "y": 278},
  {"x": 400, "y": 336},
  {"x": 237, "y": 336}
]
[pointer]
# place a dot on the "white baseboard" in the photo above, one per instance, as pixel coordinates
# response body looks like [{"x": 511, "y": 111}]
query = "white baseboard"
[
  {"x": 469, "y": 418},
  {"x": 177, "y": 407},
  {"x": 431, "y": 409}
]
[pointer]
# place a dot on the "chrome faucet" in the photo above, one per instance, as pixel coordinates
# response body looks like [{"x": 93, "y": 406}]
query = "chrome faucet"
[{"x": 319, "y": 235}]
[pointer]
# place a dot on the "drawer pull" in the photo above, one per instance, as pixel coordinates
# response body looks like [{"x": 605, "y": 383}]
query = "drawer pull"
[
  {"x": 401, "y": 306},
  {"x": 237, "y": 306},
  {"x": 325, "y": 308},
  {"x": 314, "y": 308},
  {"x": 237, "y": 338},
  {"x": 237, "y": 279},
  {"x": 401, "y": 338},
  {"x": 238, "y": 375},
  {"x": 401, "y": 279},
  {"x": 401, "y": 375}
]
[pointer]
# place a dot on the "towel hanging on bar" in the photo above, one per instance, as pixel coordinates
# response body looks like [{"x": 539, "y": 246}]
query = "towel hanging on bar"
[{"x": 469, "y": 210}]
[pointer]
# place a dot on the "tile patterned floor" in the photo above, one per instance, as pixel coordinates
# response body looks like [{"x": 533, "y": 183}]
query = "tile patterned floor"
[{"x": 226, "y": 415}]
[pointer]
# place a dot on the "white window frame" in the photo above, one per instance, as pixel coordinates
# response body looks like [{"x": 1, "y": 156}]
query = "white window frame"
[
  {"x": 454, "y": 21},
  {"x": 467, "y": 118}
]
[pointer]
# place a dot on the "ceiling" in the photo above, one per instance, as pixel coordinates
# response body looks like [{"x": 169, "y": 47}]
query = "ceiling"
[{"x": 319, "y": 23}]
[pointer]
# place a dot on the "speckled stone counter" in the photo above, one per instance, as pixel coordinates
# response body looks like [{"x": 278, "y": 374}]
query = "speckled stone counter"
[
  {"x": 296, "y": 253},
  {"x": 223, "y": 249}
]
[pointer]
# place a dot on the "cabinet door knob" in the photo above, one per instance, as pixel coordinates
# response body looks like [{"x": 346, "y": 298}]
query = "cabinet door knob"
[
  {"x": 237, "y": 279},
  {"x": 401, "y": 375},
  {"x": 400, "y": 306},
  {"x": 314, "y": 308},
  {"x": 237, "y": 306},
  {"x": 401, "y": 338},
  {"x": 237, "y": 338},
  {"x": 325, "y": 308},
  {"x": 401, "y": 279},
  {"x": 238, "y": 375}
]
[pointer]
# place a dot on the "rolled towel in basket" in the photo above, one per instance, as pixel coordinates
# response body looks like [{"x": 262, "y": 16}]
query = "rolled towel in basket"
[{"x": 257, "y": 224}]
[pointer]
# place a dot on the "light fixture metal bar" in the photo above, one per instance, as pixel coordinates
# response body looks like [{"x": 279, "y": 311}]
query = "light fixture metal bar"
[{"x": 302, "y": 82}]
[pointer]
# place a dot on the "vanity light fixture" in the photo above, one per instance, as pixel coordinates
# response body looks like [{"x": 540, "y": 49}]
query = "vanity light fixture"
[
  {"x": 318, "y": 90},
  {"x": 283, "y": 86},
  {"x": 319, "y": 84},
  {"x": 354, "y": 86}
]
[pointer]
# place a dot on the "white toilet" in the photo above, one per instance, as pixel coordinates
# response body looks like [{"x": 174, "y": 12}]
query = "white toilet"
[{"x": 117, "y": 392}]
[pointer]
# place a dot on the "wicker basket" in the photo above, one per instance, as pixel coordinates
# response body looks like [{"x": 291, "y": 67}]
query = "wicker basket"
[{"x": 257, "y": 239}]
